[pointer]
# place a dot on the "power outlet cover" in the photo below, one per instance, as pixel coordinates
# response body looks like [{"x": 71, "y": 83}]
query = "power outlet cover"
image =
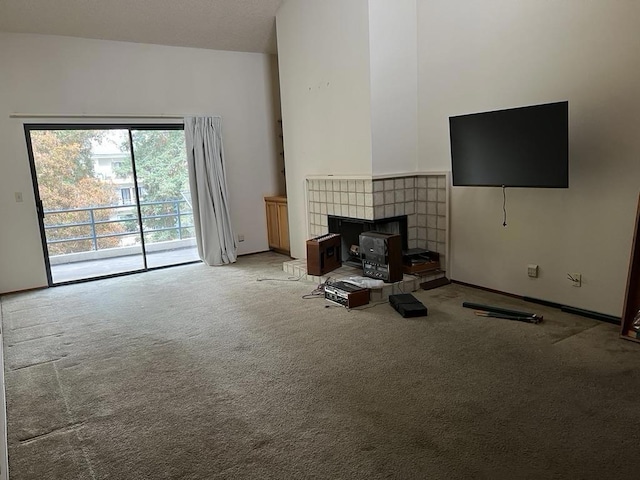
[{"x": 532, "y": 270}]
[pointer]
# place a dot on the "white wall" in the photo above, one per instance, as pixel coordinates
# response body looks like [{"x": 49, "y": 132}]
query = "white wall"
[
  {"x": 47, "y": 74},
  {"x": 394, "y": 86},
  {"x": 323, "y": 53},
  {"x": 478, "y": 56}
]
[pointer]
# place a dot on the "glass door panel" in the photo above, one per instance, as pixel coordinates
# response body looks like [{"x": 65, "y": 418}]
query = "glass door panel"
[
  {"x": 165, "y": 199},
  {"x": 85, "y": 190}
]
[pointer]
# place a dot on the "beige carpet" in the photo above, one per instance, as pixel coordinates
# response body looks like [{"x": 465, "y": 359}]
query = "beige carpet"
[{"x": 206, "y": 373}]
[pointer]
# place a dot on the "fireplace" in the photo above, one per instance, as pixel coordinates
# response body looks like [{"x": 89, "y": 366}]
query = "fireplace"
[
  {"x": 351, "y": 228},
  {"x": 370, "y": 203}
]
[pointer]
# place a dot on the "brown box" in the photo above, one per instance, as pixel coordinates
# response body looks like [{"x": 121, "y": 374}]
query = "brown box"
[{"x": 323, "y": 254}]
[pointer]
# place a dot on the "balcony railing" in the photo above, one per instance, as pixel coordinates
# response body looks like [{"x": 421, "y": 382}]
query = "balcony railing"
[{"x": 182, "y": 225}]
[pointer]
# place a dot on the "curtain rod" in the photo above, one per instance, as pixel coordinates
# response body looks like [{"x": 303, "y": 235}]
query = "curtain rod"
[{"x": 94, "y": 115}]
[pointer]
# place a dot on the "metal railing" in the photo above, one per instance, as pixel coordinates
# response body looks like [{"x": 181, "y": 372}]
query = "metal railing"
[{"x": 181, "y": 224}]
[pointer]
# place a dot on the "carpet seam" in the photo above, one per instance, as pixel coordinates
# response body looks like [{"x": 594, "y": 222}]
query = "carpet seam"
[
  {"x": 66, "y": 405},
  {"x": 577, "y": 333}
]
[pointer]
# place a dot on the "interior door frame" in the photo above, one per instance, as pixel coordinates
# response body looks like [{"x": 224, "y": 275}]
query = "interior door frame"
[{"x": 130, "y": 127}]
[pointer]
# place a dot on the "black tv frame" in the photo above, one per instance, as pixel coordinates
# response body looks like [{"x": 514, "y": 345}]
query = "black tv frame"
[{"x": 517, "y": 147}]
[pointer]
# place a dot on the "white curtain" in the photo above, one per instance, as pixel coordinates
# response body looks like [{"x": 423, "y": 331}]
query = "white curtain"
[{"x": 210, "y": 199}]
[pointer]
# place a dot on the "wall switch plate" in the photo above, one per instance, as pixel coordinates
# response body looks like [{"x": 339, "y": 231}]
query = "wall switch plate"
[
  {"x": 18, "y": 196},
  {"x": 532, "y": 270},
  {"x": 575, "y": 278},
  {"x": 240, "y": 237}
]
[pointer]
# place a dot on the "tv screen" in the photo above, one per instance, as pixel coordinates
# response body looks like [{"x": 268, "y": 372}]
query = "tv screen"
[{"x": 518, "y": 147}]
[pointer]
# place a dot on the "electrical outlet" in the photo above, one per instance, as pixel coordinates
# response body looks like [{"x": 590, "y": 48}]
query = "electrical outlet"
[
  {"x": 575, "y": 278},
  {"x": 532, "y": 270},
  {"x": 18, "y": 196},
  {"x": 240, "y": 237}
]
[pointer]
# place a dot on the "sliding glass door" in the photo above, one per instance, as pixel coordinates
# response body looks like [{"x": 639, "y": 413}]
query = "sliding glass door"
[{"x": 111, "y": 199}]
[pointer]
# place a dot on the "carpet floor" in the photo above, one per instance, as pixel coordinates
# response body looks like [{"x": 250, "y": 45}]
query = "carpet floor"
[{"x": 208, "y": 373}]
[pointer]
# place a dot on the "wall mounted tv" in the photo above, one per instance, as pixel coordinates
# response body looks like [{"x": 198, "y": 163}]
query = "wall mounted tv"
[{"x": 517, "y": 147}]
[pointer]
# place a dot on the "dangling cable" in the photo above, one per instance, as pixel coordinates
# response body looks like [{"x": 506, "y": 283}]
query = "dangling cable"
[{"x": 504, "y": 206}]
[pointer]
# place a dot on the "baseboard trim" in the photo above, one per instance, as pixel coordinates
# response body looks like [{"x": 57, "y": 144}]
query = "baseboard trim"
[{"x": 603, "y": 317}]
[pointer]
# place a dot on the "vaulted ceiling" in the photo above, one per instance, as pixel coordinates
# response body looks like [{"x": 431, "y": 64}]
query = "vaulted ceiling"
[{"x": 237, "y": 25}]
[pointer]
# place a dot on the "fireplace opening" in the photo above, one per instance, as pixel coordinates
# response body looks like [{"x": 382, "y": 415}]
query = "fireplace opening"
[{"x": 351, "y": 228}]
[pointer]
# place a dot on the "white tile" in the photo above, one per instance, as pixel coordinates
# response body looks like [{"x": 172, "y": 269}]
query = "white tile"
[
  {"x": 378, "y": 185},
  {"x": 322, "y": 185},
  {"x": 389, "y": 211},
  {"x": 431, "y": 235},
  {"x": 433, "y": 246},
  {"x": 323, "y": 208},
  {"x": 323, "y": 196},
  {"x": 412, "y": 233},
  {"x": 353, "y": 213},
  {"x": 378, "y": 211},
  {"x": 351, "y": 186},
  {"x": 312, "y": 207},
  {"x": 409, "y": 194},
  {"x": 422, "y": 207},
  {"x": 421, "y": 195},
  {"x": 409, "y": 208},
  {"x": 360, "y": 199},
  {"x": 421, "y": 182},
  {"x": 399, "y": 196},
  {"x": 432, "y": 221},
  {"x": 413, "y": 243},
  {"x": 422, "y": 220},
  {"x": 378, "y": 198},
  {"x": 344, "y": 198},
  {"x": 343, "y": 185},
  {"x": 344, "y": 209},
  {"x": 352, "y": 198},
  {"x": 389, "y": 197},
  {"x": 368, "y": 186},
  {"x": 442, "y": 195},
  {"x": 323, "y": 220},
  {"x": 360, "y": 212},
  {"x": 432, "y": 182},
  {"x": 431, "y": 209},
  {"x": 368, "y": 213},
  {"x": 442, "y": 223},
  {"x": 399, "y": 209},
  {"x": 398, "y": 183},
  {"x": 360, "y": 186},
  {"x": 409, "y": 182},
  {"x": 368, "y": 200},
  {"x": 376, "y": 295},
  {"x": 442, "y": 182},
  {"x": 336, "y": 185},
  {"x": 330, "y": 209},
  {"x": 442, "y": 209},
  {"x": 423, "y": 233},
  {"x": 337, "y": 198},
  {"x": 412, "y": 220},
  {"x": 441, "y": 236},
  {"x": 389, "y": 185},
  {"x": 432, "y": 195}
]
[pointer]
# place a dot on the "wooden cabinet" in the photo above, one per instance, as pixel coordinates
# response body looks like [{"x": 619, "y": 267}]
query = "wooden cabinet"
[
  {"x": 632, "y": 296},
  {"x": 277, "y": 223}
]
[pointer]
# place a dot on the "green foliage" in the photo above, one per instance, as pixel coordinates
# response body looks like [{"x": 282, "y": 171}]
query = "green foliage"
[
  {"x": 161, "y": 166},
  {"x": 66, "y": 181}
]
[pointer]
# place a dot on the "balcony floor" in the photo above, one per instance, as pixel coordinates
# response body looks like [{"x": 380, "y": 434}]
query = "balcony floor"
[{"x": 68, "y": 272}]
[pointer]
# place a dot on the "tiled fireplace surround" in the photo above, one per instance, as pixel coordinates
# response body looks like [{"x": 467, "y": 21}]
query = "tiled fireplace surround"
[{"x": 422, "y": 198}]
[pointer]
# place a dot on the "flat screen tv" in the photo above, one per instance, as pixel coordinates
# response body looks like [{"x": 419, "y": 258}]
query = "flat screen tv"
[{"x": 517, "y": 147}]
